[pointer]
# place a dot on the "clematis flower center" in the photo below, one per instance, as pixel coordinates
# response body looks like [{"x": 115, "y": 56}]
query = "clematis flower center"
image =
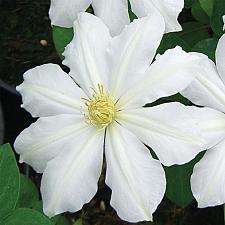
[{"x": 101, "y": 108}]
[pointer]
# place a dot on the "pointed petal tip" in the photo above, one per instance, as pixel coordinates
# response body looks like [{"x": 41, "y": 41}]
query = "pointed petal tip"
[
  {"x": 200, "y": 205},
  {"x": 178, "y": 47},
  {"x": 148, "y": 217},
  {"x": 49, "y": 213},
  {"x": 18, "y": 88},
  {"x": 178, "y": 29},
  {"x": 21, "y": 160}
]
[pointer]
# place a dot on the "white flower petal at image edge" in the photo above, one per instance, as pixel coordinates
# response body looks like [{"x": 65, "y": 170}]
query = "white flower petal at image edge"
[
  {"x": 114, "y": 13},
  {"x": 67, "y": 141},
  {"x": 169, "y": 9},
  {"x": 223, "y": 22},
  {"x": 208, "y": 177},
  {"x": 208, "y": 89},
  {"x": 207, "y": 180}
]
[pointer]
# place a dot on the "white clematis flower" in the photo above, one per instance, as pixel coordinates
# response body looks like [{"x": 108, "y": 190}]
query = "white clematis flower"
[
  {"x": 114, "y": 13},
  {"x": 105, "y": 113},
  {"x": 208, "y": 89}
]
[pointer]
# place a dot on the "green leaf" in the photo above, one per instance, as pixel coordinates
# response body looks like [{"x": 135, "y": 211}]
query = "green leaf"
[
  {"x": 207, "y": 6},
  {"x": 199, "y": 14},
  {"x": 131, "y": 14},
  {"x": 63, "y": 221},
  {"x": 28, "y": 193},
  {"x": 78, "y": 222},
  {"x": 25, "y": 216},
  {"x": 193, "y": 32},
  {"x": 61, "y": 38},
  {"x": 38, "y": 206},
  {"x": 171, "y": 40},
  {"x": 189, "y": 3},
  {"x": 216, "y": 18},
  {"x": 9, "y": 181},
  {"x": 178, "y": 182},
  {"x": 206, "y": 46},
  {"x": 173, "y": 98}
]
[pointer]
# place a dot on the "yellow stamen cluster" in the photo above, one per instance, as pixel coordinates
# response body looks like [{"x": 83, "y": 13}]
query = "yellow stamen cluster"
[{"x": 101, "y": 108}]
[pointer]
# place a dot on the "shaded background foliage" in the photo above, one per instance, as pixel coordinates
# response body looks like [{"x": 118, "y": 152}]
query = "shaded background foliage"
[{"x": 27, "y": 40}]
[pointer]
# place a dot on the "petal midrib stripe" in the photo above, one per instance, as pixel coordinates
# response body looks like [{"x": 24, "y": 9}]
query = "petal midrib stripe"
[
  {"x": 128, "y": 176},
  {"x": 57, "y": 97},
  {"x": 76, "y": 160},
  {"x": 158, "y": 127},
  {"x": 68, "y": 131},
  {"x": 213, "y": 89}
]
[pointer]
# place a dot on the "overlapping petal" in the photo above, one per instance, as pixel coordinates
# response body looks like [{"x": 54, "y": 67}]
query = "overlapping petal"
[
  {"x": 169, "y": 74},
  {"x": 208, "y": 180},
  {"x": 63, "y": 12},
  {"x": 169, "y": 10},
  {"x": 46, "y": 138},
  {"x": 168, "y": 129},
  {"x": 211, "y": 123},
  {"x": 86, "y": 54},
  {"x": 207, "y": 89},
  {"x": 70, "y": 180},
  {"x": 220, "y": 56},
  {"x": 136, "y": 179},
  {"x": 114, "y": 14},
  {"x": 48, "y": 91},
  {"x": 131, "y": 53}
]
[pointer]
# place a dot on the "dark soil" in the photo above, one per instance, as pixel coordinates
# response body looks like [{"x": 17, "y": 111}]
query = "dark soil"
[
  {"x": 25, "y": 42},
  {"x": 25, "y": 38}
]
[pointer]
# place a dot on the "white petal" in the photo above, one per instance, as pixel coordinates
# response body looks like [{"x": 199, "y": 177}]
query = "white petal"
[
  {"x": 167, "y": 129},
  {"x": 169, "y": 74},
  {"x": 136, "y": 179},
  {"x": 46, "y": 138},
  {"x": 63, "y": 12},
  {"x": 207, "y": 89},
  {"x": 85, "y": 55},
  {"x": 132, "y": 52},
  {"x": 211, "y": 123},
  {"x": 48, "y": 91},
  {"x": 224, "y": 22},
  {"x": 169, "y": 9},
  {"x": 70, "y": 179},
  {"x": 208, "y": 180},
  {"x": 114, "y": 14},
  {"x": 220, "y": 57}
]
